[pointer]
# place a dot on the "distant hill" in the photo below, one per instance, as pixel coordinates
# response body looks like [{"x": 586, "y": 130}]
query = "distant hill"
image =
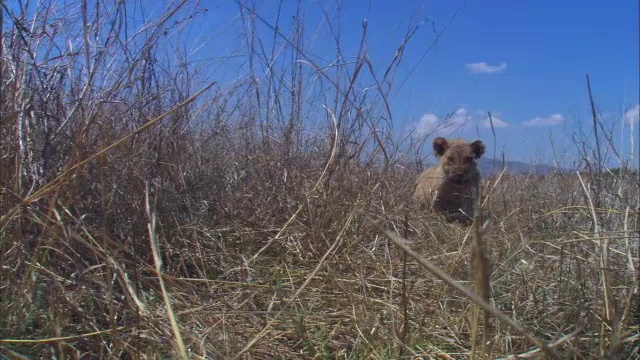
[{"x": 488, "y": 167}]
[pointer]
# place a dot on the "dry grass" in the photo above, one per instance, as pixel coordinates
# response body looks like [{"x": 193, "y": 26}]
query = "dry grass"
[{"x": 219, "y": 240}]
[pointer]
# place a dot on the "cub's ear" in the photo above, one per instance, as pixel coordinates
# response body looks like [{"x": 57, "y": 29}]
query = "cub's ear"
[
  {"x": 440, "y": 145},
  {"x": 478, "y": 148}
]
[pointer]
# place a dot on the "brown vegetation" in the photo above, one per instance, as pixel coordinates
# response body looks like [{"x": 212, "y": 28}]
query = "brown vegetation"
[{"x": 142, "y": 218}]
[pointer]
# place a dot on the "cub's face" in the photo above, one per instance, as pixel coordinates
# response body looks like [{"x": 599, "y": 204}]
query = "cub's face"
[{"x": 458, "y": 159}]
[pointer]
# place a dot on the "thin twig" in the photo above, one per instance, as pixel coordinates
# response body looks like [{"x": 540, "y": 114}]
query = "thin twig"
[
  {"x": 157, "y": 260},
  {"x": 440, "y": 274}
]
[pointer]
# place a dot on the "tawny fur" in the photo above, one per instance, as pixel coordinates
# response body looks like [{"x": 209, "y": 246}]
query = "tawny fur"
[{"x": 450, "y": 188}]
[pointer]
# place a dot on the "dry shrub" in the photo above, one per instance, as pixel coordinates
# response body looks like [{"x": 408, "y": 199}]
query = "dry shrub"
[{"x": 264, "y": 234}]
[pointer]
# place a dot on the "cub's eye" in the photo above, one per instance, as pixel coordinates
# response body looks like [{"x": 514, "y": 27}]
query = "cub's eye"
[{"x": 450, "y": 160}]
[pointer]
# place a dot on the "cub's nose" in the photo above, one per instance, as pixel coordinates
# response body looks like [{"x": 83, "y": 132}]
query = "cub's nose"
[{"x": 457, "y": 178}]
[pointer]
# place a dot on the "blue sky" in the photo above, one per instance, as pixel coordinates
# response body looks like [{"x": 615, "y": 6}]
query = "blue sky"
[
  {"x": 541, "y": 51},
  {"x": 525, "y": 62}
]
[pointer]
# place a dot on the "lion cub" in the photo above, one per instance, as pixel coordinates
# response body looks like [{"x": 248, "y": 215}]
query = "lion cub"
[{"x": 450, "y": 188}]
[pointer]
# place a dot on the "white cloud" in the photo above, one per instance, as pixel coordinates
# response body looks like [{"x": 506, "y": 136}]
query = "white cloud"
[
  {"x": 428, "y": 124},
  {"x": 432, "y": 124},
  {"x": 555, "y": 119},
  {"x": 484, "y": 68},
  {"x": 459, "y": 117},
  {"x": 632, "y": 115},
  {"x": 497, "y": 122}
]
